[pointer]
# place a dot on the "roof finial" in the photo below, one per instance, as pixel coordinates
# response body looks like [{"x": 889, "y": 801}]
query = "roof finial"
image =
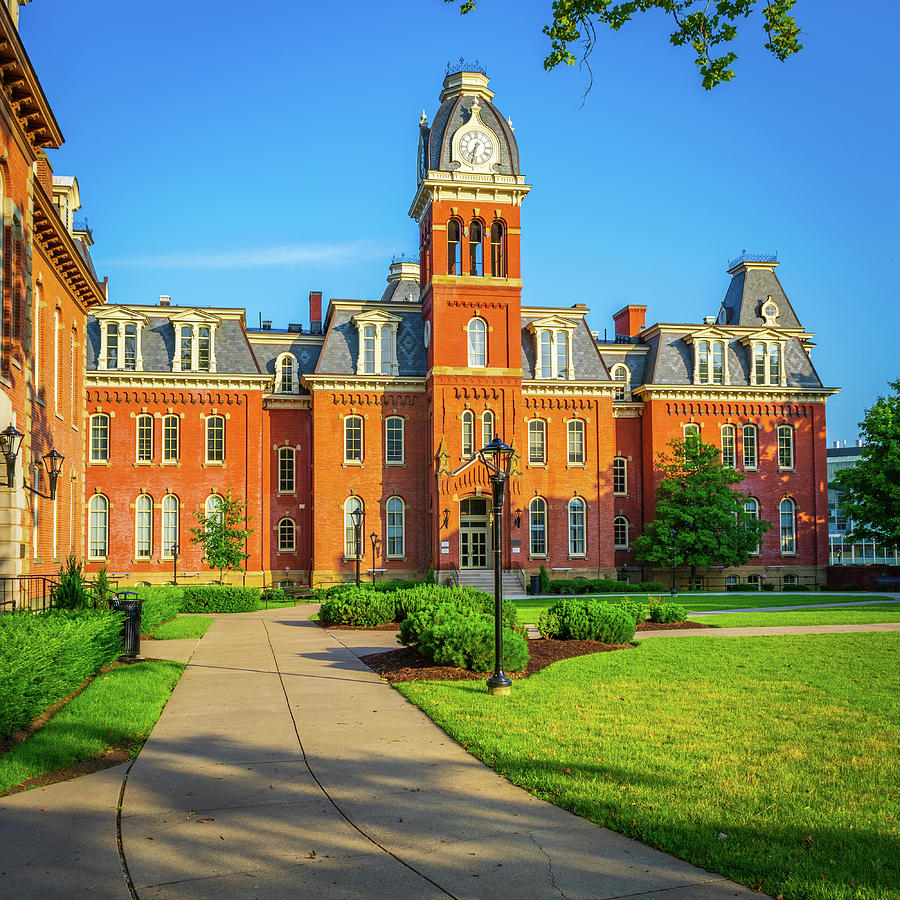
[
  {"x": 424, "y": 119},
  {"x": 509, "y": 122}
]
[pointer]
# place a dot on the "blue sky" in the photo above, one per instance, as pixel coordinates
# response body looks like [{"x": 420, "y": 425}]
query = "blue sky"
[{"x": 242, "y": 155}]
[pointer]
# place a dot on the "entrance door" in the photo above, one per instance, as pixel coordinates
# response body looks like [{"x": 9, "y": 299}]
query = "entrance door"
[{"x": 474, "y": 528}]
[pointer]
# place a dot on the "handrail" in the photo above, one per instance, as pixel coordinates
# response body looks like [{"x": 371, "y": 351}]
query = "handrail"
[
  {"x": 519, "y": 572},
  {"x": 454, "y": 574},
  {"x": 34, "y": 593}
]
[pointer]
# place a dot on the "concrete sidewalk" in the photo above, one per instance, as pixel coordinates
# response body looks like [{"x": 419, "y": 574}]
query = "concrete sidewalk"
[{"x": 283, "y": 767}]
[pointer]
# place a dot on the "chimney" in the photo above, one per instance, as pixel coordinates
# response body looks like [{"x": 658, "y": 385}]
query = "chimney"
[
  {"x": 266, "y": 325},
  {"x": 165, "y": 300},
  {"x": 44, "y": 172},
  {"x": 315, "y": 312},
  {"x": 629, "y": 320},
  {"x": 709, "y": 320}
]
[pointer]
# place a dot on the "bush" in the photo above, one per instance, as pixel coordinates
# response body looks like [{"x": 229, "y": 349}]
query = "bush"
[
  {"x": 429, "y": 578},
  {"x": 768, "y": 586},
  {"x": 545, "y": 580},
  {"x": 650, "y": 587},
  {"x": 587, "y": 620},
  {"x": 664, "y": 612},
  {"x": 354, "y": 605},
  {"x": 797, "y": 588},
  {"x": 272, "y": 595},
  {"x": 220, "y": 599},
  {"x": 634, "y": 608},
  {"x": 428, "y": 597},
  {"x": 44, "y": 658},
  {"x": 70, "y": 592}
]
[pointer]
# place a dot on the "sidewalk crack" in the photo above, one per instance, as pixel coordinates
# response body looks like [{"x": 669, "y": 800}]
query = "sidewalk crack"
[{"x": 553, "y": 883}]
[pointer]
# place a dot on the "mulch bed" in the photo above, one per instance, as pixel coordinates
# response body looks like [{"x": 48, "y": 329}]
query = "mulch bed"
[
  {"x": 671, "y": 626},
  {"x": 388, "y": 626},
  {"x": 407, "y": 664}
]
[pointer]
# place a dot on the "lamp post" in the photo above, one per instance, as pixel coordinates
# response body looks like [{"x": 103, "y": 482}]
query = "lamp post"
[
  {"x": 175, "y": 564},
  {"x": 674, "y": 591},
  {"x": 356, "y": 515},
  {"x": 497, "y": 459},
  {"x": 10, "y": 442},
  {"x": 374, "y": 539}
]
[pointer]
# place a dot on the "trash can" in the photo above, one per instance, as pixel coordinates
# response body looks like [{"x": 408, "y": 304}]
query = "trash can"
[
  {"x": 127, "y": 602},
  {"x": 535, "y": 584}
]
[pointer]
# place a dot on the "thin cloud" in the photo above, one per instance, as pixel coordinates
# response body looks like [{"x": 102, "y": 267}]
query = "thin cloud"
[{"x": 248, "y": 258}]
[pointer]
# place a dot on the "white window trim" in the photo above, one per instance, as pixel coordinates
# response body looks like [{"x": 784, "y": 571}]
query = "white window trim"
[
  {"x": 469, "y": 352},
  {"x": 137, "y": 514},
  {"x": 402, "y": 460},
  {"x": 722, "y": 431},
  {"x": 279, "y": 375},
  {"x": 467, "y": 421},
  {"x": 99, "y": 459},
  {"x": 627, "y": 543},
  {"x": 569, "y": 461},
  {"x": 380, "y": 320},
  {"x": 348, "y": 460},
  {"x": 766, "y": 339},
  {"x": 488, "y": 415},
  {"x": 347, "y": 524},
  {"x": 790, "y": 430},
  {"x": 625, "y": 383},
  {"x": 169, "y": 460},
  {"x": 163, "y": 553},
  {"x": 581, "y": 501},
  {"x": 91, "y": 512},
  {"x": 624, "y": 460},
  {"x": 215, "y": 462},
  {"x": 293, "y": 455},
  {"x": 793, "y": 527},
  {"x": 543, "y": 423},
  {"x": 531, "y": 551},
  {"x": 387, "y": 514},
  {"x": 137, "y": 439},
  {"x": 293, "y": 547},
  {"x": 194, "y": 319},
  {"x": 755, "y": 466}
]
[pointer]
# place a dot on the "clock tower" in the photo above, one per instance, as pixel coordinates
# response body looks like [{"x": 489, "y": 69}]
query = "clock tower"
[{"x": 467, "y": 205}]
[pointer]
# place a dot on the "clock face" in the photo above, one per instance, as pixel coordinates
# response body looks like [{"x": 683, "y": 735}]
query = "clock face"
[{"x": 476, "y": 147}]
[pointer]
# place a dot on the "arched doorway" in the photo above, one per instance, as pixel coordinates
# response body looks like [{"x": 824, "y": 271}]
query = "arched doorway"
[{"x": 474, "y": 533}]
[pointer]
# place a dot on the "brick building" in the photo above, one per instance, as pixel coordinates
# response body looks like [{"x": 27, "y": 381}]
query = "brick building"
[
  {"x": 48, "y": 286},
  {"x": 382, "y": 405}
]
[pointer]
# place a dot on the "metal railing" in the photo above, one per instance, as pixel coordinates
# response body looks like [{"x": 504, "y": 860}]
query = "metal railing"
[
  {"x": 34, "y": 593},
  {"x": 454, "y": 574},
  {"x": 519, "y": 572}
]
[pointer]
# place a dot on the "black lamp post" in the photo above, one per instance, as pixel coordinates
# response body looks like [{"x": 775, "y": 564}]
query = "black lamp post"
[
  {"x": 374, "y": 539},
  {"x": 497, "y": 458},
  {"x": 175, "y": 564},
  {"x": 10, "y": 442},
  {"x": 674, "y": 591},
  {"x": 356, "y": 516}
]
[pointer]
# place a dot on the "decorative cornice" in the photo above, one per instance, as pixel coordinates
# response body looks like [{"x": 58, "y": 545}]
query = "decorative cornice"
[
  {"x": 627, "y": 410},
  {"x": 736, "y": 393},
  {"x": 568, "y": 388},
  {"x": 201, "y": 381},
  {"x": 284, "y": 337},
  {"x": 287, "y": 401},
  {"x": 374, "y": 383},
  {"x": 486, "y": 186}
]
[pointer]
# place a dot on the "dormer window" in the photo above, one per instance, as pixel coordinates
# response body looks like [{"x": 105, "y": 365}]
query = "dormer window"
[
  {"x": 553, "y": 337},
  {"x": 710, "y": 357},
  {"x": 286, "y": 381},
  {"x": 195, "y": 349},
  {"x": 766, "y": 360},
  {"x": 621, "y": 376},
  {"x": 120, "y": 340},
  {"x": 377, "y": 343}
]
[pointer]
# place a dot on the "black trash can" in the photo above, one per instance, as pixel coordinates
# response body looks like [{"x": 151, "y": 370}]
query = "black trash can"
[
  {"x": 535, "y": 584},
  {"x": 127, "y": 602}
]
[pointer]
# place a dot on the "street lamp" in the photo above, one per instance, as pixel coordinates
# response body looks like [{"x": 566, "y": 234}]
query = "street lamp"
[
  {"x": 674, "y": 591},
  {"x": 497, "y": 458},
  {"x": 374, "y": 539},
  {"x": 10, "y": 442},
  {"x": 356, "y": 516},
  {"x": 174, "y": 564}
]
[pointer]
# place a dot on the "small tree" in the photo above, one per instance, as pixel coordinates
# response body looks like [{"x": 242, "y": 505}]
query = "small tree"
[
  {"x": 102, "y": 588},
  {"x": 70, "y": 592},
  {"x": 700, "y": 521},
  {"x": 872, "y": 487},
  {"x": 222, "y": 534}
]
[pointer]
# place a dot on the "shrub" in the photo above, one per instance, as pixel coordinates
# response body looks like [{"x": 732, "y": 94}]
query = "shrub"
[
  {"x": 70, "y": 592},
  {"x": 545, "y": 580},
  {"x": 795, "y": 588},
  {"x": 768, "y": 586},
  {"x": 354, "y": 605},
  {"x": 429, "y": 578},
  {"x": 158, "y": 608},
  {"x": 634, "y": 608},
  {"x": 588, "y": 586},
  {"x": 587, "y": 620},
  {"x": 664, "y": 612},
  {"x": 426, "y": 597},
  {"x": 650, "y": 587},
  {"x": 44, "y": 658},
  {"x": 220, "y": 599},
  {"x": 102, "y": 589},
  {"x": 272, "y": 595}
]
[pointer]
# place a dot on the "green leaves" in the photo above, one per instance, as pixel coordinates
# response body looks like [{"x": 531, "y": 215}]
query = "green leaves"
[{"x": 222, "y": 534}]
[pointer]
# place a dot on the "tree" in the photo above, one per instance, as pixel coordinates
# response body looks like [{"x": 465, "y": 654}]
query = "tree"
[
  {"x": 872, "y": 487},
  {"x": 700, "y": 23},
  {"x": 699, "y": 520},
  {"x": 222, "y": 534}
]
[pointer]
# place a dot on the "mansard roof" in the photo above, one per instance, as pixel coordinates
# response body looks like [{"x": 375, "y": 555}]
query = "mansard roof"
[
  {"x": 752, "y": 283},
  {"x": 586, "y": 358},
  {"x": 305, "y": 350}
]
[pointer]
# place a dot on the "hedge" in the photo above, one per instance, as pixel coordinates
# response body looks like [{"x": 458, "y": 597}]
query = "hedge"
[
  {"x": 354, "y": 605},
  {"x": 664, "y": 612},
  {"x": 223, "y": 598},
  {"x": 599, "y": 586},
  {"x": 45, "y": 657},
  {"x": 587, "y": 620},
  {"x": 160, "y": 604}
]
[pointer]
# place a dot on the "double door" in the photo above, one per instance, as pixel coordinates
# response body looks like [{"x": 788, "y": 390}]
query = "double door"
[{"x": 474, "y": 533}]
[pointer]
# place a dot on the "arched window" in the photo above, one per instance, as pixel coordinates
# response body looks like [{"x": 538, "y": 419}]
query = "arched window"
[
  {"x": 620, "y": 533},
  {"x": 790, "y": 579},
  {"x": 396, "y": 528},
  {"x": 353, "y": 439},
  {"x": 204, "y": 347},
  {"x": 498, "y": 250},
  {"x": 576, "y": 527},
  {"x": 143, "y": 527},
  {"x": 691, "y": 429},
  {"x": 575, "y": 429},
  {"x": 287, "y": 540},
  {"x": 170, "y": 439},
  {"x": 351, "y": 547},
  {"x": 620, "y": 476},
  {"x": 537, "y": 443},
  {"x": 754, "y": 581},
  {"x": 751, "y": 507},
  {"x": 186, "y": 347},
  {"x": 213, "y": 507},
  {"x": 788, "y": 527},
  {"x": 130, "y": 346},
  {"x": 703, "y": 362},
  {"x": 487, "y": 427},
  {"x": 731, "y": 582},
  {"x": 112, "y": 345},
  {"x": 620, "y": 376},
  {"x": 729, "y": 457},
  {"x": 286, "y": 374},
  {"x": 368, "y": 349},
  {"x": 546, "y": 348},
  {"x": 477, "y": 331},
  {"x": 35, "y": 341},
  {"x": 169, "y": 526},
  {"x": 286, "y": 470},
  {"x": 774, "y": 364},
  {"x": 476, "y": 247},
  {"x": 215, "y": 439},
  {"x": 393, "y": 440},
  {"x": 454, "y": 248},
  {"x": 759, "y": 363},
  {"x": 537, "y": 527},
  {"x": 750, "y": 455},
  {"x": 144, "y": 438},
  {"x": 98, "y": 527},
  {"x": 785, "y": 447},
  {"x": 468, "y": 434},
  {"x": 100, "y": 438}
]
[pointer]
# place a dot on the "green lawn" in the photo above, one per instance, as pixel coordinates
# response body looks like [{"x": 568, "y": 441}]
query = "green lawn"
[
  {"x": 863, "y": 615},
  {"x": 530, "y": 609},
  {"x": 120, "y": 705},
  {"x": 182, "y": 627},
  {"x": 773, "y": 761}
]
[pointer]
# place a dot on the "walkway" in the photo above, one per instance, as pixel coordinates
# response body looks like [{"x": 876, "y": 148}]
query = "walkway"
[{"x": 283, "y": 767}]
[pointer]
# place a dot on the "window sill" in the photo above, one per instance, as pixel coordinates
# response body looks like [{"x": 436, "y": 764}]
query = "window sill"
[
  {"x": 578, "y": 556},
  {"x": 788, "y": 469},
  {"x": 172, "y": 463},
  {"x": 286, "y": 494},
  {"x": 401, "y": 464},
  {"x": 537, "y": 555},
  {"x": 281, "y": 552},
  {"x": 99, "y": 462},
  {"x": 794, "y": 553},
  {"x": 145, "y": 462},
  {"x": 352, "y": 462},
  {"x": 574, "y": 465},
  {"x": 98, "y": 559},
  {"x": 213, "y": 465},
  {"x": 751, "y": 468},
  {"x": 618, "y": 494},
  {"x": 536, "y": 465}
]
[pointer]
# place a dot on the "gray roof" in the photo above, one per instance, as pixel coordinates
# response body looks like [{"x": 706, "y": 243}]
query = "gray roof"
[
  {"x": 585, "y": 356},
  {"x": 233, "y": 354},
  {"x": 746, "y": 294},
  {"x": 403, "y": 290},
  {"x": 634, "y": 361},
  {"x": 340, "y": 351},
  {"x": 452, "y": 114},
  {"x": 306, "y": 354}
]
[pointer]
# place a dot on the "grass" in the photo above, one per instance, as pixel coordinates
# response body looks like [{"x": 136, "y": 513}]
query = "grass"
[
  {"x": 530, "y": 609},
  {"x": 865, "y": 615},
  {"x": 121, "y": 705},
  {"x": 182, "y": 627},
  {"x": 772, "y": 760}
]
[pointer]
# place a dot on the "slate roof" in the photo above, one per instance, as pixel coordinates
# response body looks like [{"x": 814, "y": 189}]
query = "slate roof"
[
  {"x": 306, "y": 354},
  {"x": 233, "y": 354},
  {"x": 585, "y": 356},
  {"x": 634, "y": 361},
  {"x": 403, "y": 290},
  {"x": 747, "y": 292},
  {"x": 340, "y": 351}
]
